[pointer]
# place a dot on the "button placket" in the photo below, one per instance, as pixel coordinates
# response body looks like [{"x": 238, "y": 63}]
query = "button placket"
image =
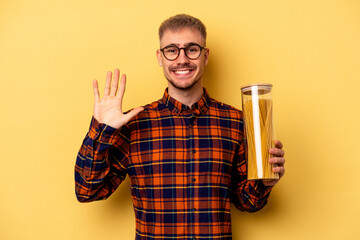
[{"x": 191, "y": 152}]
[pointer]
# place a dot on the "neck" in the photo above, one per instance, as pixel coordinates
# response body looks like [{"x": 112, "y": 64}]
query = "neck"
[{"x": 187, "y": 96}]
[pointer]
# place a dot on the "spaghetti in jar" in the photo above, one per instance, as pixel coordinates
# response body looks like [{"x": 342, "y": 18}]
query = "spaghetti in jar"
[{"x": 257, "y": 108}]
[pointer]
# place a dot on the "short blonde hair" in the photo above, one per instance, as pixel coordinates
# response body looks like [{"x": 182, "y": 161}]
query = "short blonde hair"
[{"x": 180, "y": 21}]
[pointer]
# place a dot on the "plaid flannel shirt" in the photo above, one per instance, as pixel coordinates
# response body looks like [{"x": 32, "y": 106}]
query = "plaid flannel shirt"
[{"x": 185, "y": 166}]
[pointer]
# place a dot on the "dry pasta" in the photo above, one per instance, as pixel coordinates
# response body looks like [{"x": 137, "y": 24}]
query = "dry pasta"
[{"x": 266, "y": 135}]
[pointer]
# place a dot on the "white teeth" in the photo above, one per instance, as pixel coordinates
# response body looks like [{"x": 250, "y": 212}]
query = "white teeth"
[{"x": 182, "y": 72}]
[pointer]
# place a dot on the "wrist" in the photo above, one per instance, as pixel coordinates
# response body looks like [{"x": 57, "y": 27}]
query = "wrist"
[{"x": 108, "y": 123}]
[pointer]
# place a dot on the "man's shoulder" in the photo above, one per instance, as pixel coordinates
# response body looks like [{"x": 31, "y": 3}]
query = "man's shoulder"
[
  {"x": 224, "y": 108},
  {"x": 151, "y": 110},
  {"x": 154, "y": 106}
]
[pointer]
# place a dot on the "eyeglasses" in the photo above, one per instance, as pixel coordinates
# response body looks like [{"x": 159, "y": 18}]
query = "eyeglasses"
[{"x": 172, "y": 52}]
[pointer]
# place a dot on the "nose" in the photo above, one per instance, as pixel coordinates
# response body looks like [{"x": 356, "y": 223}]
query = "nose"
[{"x": 182, "y": 58}]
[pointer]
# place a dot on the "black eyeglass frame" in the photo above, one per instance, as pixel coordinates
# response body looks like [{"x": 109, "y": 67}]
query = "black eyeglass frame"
[{"x": 184, "y": 48}]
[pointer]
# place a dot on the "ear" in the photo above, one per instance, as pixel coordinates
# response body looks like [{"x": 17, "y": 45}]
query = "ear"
[
  {"x": 206, "y": 55},
  {"x": 158, "y": 55}
]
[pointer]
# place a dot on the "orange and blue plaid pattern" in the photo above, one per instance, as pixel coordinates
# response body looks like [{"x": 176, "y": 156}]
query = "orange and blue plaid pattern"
[{"x": 186, "y": 165}]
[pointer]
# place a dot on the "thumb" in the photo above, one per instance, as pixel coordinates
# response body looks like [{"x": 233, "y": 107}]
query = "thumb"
[{"x": 130, "y": 115}]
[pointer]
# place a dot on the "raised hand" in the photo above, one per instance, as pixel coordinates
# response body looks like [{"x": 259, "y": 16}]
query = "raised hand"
[{"x": 108, "y": 109}]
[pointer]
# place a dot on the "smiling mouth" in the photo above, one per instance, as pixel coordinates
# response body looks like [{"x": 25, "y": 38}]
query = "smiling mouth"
[{"x": 182, "y": 72}]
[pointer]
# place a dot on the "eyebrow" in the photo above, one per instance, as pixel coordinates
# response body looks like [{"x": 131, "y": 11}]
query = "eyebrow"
[{"x": 186, "y": 44}]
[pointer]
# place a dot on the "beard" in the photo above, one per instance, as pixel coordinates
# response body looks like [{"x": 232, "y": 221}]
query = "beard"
[{"x": 179, "y": 85}]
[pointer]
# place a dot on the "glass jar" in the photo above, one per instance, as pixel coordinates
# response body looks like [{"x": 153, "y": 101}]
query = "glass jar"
[{"x": 257, "y": 108}]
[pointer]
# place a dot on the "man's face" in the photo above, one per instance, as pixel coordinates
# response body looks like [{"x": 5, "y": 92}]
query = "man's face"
[{"x": 183, "y": 73}]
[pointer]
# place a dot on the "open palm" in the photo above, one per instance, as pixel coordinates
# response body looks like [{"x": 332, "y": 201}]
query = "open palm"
[{"x": 108, "y": 109}]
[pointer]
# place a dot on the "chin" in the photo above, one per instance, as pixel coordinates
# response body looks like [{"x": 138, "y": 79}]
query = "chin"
[{"x": 180, "y": 86}]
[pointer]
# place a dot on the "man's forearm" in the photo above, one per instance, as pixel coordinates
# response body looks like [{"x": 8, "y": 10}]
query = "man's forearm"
[{"x": 92, "y": 169}]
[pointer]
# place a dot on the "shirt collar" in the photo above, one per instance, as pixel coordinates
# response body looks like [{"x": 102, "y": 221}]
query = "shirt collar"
[{"x": 198, "y": 108}]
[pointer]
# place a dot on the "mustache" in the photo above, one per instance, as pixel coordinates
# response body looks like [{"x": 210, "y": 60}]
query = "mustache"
[{"x": 187, "y": 66}]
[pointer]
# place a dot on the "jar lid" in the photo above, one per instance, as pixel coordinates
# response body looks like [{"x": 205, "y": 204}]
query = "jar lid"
[{"x": 263, "y": 88}]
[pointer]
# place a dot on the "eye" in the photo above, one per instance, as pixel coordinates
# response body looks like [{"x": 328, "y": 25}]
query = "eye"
[
  {"x": 192, "y": 49},
  {"x": 171, "y": 50}
]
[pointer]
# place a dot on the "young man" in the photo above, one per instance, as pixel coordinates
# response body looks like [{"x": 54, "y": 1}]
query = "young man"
[{"x": 184, "y": 154}]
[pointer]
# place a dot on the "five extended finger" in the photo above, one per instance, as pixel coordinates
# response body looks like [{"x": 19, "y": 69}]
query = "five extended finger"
[
  {"x": 96, "y": 90},
  {"x": 107, "y": 84},
  {"x": 115, "y": 83},
  {"x": 130, "y": 115},
  {"x": 122, "y": 86}
]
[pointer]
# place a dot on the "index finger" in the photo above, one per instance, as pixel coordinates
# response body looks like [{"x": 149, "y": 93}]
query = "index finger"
[
  {"x": 278, "y": 144},
  {"x": 96, "y": 90}
]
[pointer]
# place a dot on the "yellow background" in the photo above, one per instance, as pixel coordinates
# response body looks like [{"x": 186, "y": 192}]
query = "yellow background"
[{"x": 50, "y": 51}]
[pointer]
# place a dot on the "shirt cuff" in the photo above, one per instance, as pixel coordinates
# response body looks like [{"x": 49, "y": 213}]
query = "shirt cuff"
[
  {"x": 101, "y": 132},
  {"x": 261, "y": 188}
]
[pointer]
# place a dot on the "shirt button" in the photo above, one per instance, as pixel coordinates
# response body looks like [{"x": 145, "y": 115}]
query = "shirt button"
[
  {"x": 193, "y": 210},
  {"x": 194, "y": 151},
  {"x": 193, "y": 179}
]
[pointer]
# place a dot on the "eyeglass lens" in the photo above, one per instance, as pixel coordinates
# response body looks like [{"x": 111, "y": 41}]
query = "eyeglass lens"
[{"x": 191, "y": 51}]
